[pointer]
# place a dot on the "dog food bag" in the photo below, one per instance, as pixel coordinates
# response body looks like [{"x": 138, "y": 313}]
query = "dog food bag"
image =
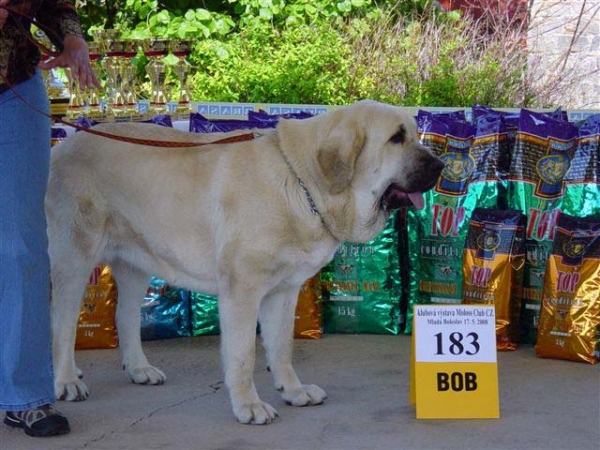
[
  {"x": 509, "y": 124},
  {"x": 361, "y": 286},
  {"x": 160, "y": 119},
  {"x": 85, "y": 122},
  {"x": 165, "y": 311},
  {"x": 569, "y": 326},
  {"x": 582, "y": 181},
  {"x": 541, "y": 158},
  {"x": 309, "y": 323},
  {"x": 436, "y": 234},
  {"x": 493, "y": 262},
  {"x": 430, "y": 248},
  {"x": 205, "y": 314},
  {"x": 264, "y": 116},
  {"x": 96, "y": 327},
  {"x": 458, "y": 114},
  {"x": 56, "y": 135},
  {"x": 200, "y": 124}
]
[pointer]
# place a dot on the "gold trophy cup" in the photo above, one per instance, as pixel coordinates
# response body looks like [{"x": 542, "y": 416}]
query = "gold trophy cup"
[
  {"x": 181, "y": 49},
  {"x": 156, "y": 50}
]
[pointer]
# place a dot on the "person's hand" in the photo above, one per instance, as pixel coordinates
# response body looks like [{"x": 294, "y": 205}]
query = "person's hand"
[
  {"x": 74, "y": 56},
  {"x": 3, "y": 13}
]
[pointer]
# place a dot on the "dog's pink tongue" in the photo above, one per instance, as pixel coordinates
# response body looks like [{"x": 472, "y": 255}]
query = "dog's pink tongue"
[{"x": 417, "y": 199}]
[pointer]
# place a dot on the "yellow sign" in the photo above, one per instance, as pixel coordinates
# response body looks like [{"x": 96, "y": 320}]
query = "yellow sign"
[{"x": 454, "y": 373}]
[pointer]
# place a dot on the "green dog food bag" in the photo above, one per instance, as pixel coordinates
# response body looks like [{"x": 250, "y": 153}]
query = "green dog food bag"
[
  {"x": 205, "y": 314},
  {"x": 436, "y": 234},
  {"x": 308, "y": 317},
  {"x": 165, "y": 311},
  {"x": 541, "y": 158},
  {"x": 508, "y": 127},
  {"x": 361, "y": 286},
  {"x": 582, "y": 182}
]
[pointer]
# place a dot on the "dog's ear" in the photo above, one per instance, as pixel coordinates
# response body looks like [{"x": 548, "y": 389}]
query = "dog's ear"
[{"x": 338, "y": 152}]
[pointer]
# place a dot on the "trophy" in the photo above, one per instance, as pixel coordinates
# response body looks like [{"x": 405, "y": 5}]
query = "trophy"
[
  {"x": 114, "y": 78},
  {"x": 76, "y": 105},
  {"x": 112, "y": 65},
  {"x": 156, "y": 50},
  {"x": 58, "y": 92},
  {"x": 181, "y": 49},
  {"x": 128, "y": 77},
  {"x": 93, "y": 95}
]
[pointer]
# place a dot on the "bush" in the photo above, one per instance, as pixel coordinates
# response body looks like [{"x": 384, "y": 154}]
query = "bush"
[
  {"x": 435, "y": 61},
  {"x": 303, "y": 51},
  {"x": 419, "y": 60},
  {"x": 297, "y": 64}
]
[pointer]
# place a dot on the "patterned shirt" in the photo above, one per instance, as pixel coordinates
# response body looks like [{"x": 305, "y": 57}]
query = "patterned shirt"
[{"x": 18, "y": 56}]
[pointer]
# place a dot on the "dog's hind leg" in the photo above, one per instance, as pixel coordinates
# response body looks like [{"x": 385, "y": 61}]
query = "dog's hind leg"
[
  {"x": 70, "y": 273},
  {"x": 277, "y": 315},
  {"x": 131, "y": 286}
]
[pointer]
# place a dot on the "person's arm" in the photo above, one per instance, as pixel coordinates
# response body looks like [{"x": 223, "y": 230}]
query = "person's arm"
[{"x": 60, "y": 17}]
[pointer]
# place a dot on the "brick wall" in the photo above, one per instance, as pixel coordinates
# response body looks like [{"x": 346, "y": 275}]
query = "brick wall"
[
  {"x": 563, "y": 44},
  {"x": 564, "y": 41}
]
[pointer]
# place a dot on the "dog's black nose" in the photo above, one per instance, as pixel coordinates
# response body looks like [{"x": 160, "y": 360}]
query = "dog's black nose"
[
  {"x": 426, "y": 176},
  {"x": 432, "y": 165},
  {"x": 437, "y": 166}
]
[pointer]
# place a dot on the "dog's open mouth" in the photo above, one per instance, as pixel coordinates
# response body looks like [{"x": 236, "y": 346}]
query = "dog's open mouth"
[{"x": 394, "y": 198}]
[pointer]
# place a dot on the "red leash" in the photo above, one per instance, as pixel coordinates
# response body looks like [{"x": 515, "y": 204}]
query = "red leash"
[{"x": 148, "y": 142}]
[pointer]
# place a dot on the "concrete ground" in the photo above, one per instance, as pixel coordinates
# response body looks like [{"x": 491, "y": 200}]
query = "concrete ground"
[{"x": 544, "y": 404}]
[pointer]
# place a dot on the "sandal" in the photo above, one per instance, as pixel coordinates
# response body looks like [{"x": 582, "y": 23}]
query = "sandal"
[{"x": 39, "y": 422}]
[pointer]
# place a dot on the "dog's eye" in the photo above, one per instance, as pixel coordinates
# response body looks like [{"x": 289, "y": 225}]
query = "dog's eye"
[{"x": 400, "y": 136}]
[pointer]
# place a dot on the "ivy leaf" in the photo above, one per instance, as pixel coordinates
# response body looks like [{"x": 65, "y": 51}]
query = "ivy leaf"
[
  {"x": 163, "y": 17},
  {"x": 266, "y": 13},
  {"x": 203, "y": 15},
  {"x": 204, "y": 30}
]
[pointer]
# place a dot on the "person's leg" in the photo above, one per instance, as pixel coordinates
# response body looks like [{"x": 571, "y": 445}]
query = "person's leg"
[{"x": 26, "y": 378}]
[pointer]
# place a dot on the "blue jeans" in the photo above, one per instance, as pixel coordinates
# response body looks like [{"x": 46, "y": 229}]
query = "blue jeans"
[{"x": 26, "y": 376}]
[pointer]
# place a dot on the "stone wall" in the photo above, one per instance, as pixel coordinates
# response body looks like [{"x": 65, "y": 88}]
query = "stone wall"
[{"x": 564, "y": 51}]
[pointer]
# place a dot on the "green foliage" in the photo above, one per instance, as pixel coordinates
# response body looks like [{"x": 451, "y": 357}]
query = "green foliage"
[
  {"x": 435, "y": 61},
  {"x": 303, "y": 64},
  {"x": 281, "y": 12},
  {"x": 318, "y": 51},
  {"x": 143, "y": 19}
]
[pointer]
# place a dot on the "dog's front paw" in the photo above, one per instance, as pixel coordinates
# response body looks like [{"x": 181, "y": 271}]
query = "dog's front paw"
[
  {"x": 306, "y": 395},
  {"x": 146, "y": 375},
  {"x": 258, "y": 413},
  {"x": 74, "y": 391}
]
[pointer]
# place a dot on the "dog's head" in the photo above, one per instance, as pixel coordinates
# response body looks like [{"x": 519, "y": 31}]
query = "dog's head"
[{"x": 368, "y": 156}]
